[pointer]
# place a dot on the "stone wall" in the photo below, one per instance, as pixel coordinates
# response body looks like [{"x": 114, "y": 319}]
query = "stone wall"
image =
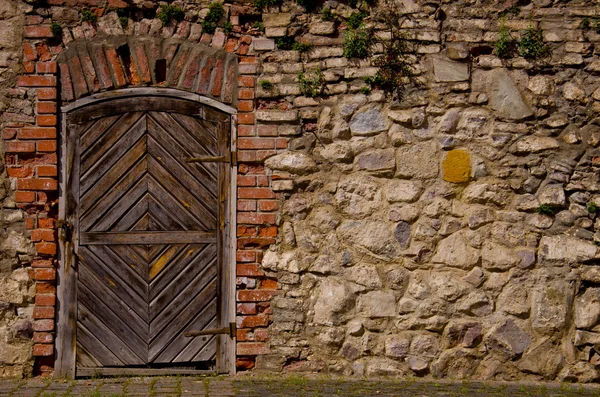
[{"x": 448, "y": 234}]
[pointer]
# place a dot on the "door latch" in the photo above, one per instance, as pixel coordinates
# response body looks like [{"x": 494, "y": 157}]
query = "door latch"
[
  {"x": 230, "y": 330},
  {"x": 66, "y": 230}
]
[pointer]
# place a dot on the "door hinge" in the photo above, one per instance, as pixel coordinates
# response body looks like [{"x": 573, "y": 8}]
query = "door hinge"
[
  {"x": 229, "y": 330},
  {"x": 231, "y": 158},
  {"x": 66, "y": 230}
]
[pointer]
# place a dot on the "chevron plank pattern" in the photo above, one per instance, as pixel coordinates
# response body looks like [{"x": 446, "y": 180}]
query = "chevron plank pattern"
[{"x": 147, "y": 269}]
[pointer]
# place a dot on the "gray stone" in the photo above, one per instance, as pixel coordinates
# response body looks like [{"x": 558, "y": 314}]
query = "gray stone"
[
  {"x": 448, "y": 123},
  {"x": 402, "y": 191},
  {"x": 321, "y": 28},
  {"x": 495, "y": 257},
  {"x": 544, "y": 359},
  {"x": 365, "y": 275},
  {"x": 397, "y": 346},
  {"x": 487, "y": 192},
  {"x": 338, "y": 152},
  {"x": 448, "y": 287},
  {"x": 477, "y": 304},
  {"x": 376, "y": 304},
  {"x": 417, "y": 364},
  {"x": 334, "y": 300},
  {"x": 293, "y": 162},
  {"x": 565, "y": 249},
  {"x": 402, "y": 234},
  {"x": 535, "y": 144},
  {"x": 425, "y": 345},
  {"x": 445, "y": 70},
  {"x": 573, "y": 92},
  {"x": 358, "y": 195},
  {"x": 418, "y": 161},
  {"x": 468, "y": 334},
  {"x": 513, "y": 300},
  {"x": 457, "y": 51},
  {"x": 368, "y": 122},
  {"x": 376, "y": 366},
  {"x": 505, "y": 98},
  {"x": 587, "y": 308},
  {"x": 550, "y": 307},
  {"x": 553, "y": 195},
  {"x": 377, "y": 162},
  {"x": 454, "y": 251},
  {"x": 372, "y": 237},
  {"x": 507, "y": 337},
  {"x": 580, "y": 372}
]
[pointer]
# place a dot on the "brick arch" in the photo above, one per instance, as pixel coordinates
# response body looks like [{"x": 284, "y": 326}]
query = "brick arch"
[{"x": 101, "y": 64}]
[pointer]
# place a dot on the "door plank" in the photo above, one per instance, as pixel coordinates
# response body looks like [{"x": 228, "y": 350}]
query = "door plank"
[
  {"x": 87, "y": 341},
  {"x": 149, "y": 237},
  {"x": 94, "y": 129}
]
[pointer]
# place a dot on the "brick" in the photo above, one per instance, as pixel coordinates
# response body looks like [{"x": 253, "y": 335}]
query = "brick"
[
  {"x": 43, "y": 51},
  {"x": 115, "y": 67},
  {"x": 39, "y": 132},
  {"x": 230, "y": 45},
  {"x": 246, "y": 308},
  {"x": 37, "y": 184},
  {"x": 80, "y": 87},
  {"x": 41, "y": 263},
  {"x": 20, "y": 147},
  {"x": 44, "y": 274},
  {"x": 255, "y": 193},
  {"x": 245, "y": 256},
  {"x": 43, "y": 350},
  {"x": 244, "y": 335},
  {"x": 268, "y": 205},
  {"x": 46, "y": 94},
  {"x": 46, "y": 248},
  {"x": 252, "y": 321},
  {"x": 281, "y": 143},
  {"x": 46, "y": 146},
  {"x": 20, "y": 172},
  {"x": 41, "y": 312},
  {"x": 89, "y": 72},
  {"x": 246, "y": 81},
  {"x": 247, "y": 231},
  {"x": 246, "y": 118},
  {"x": 246, "y": 130},
  {"x": 261, "y": 155},
  {"x": 192, "y": 70},
  {"x": 43, "y": 337},
  {"x": 45, "y": 288},
  {"x": 24, "y": 197},
  {"x": 246, "y": 180},
  {"x": 29, "y": 223},
  {"x": 43, "y": 325},
  {"x": 255, "y": 296},
  {"x": 228, "y": 86},
  {"x": 29, "y": 67},
  {"x": 204, "y": 80},
  {"x": 37, "y": 32},
  {"x": 245, "y": 93},
  {"x": 268, "y": 284},
  {"x": 46, "y": 170},
  {"x": 255, "y": 219},
  {"x": 101, "y": 66},
  {"x": 43, "y": 235},
  {"x": 270, "y": 231},
  {"x": 142, "y": 63},
  {"x": 267, "y": 130},
  {"x": 36, "y": 81},
  {"x": 254, "y": 242},
  {"x": 256, "y": 143},
  {"x": 262, "y": 180},
  {"x": 182, "y": 57},
  {"x": 247, "y": 270},
  {"x": 33, "y": 20},
  {"x": 45, "y": 299},
  {"x": 46, "y": 107},
  {"x": 9, "y": 133},
  {"x": 29, "y": 52},
  {"x": 245, "y": 106},
  {"x": 245, "y": 363},
  {"x": 246, "y": 205},
  {"x": 252, "y": 349},
  {"x": 46, "y": 67},
  {"x": 217, "y": 78}
]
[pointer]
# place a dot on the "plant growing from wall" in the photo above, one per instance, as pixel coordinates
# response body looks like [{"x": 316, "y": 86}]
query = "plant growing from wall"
[
  {"x": 215, "y": 13},
  {"x": 506, "y": 44},
  {"x": 312, "y": 84},
  {"x": 545, "y": 209},
  {"x": 56, "y": 30},
  {"x": 88, "y": 16},
  {"x": 301, "y": 47},
  {"x": 265, "y": 3},
  {"x": 326, "y": 14},
  {"x": 259, "y": 25},
  {"x": 266, "y": 85},
  {"x": 285, "y": 42},
  {"x": 227, "y": 27},
  {"x": 592, "y": 207},
  {"x": 169, "y": 13},
  {"x": 355, "y": 20},
  {"x": 531, "y": 45},
  {"x": 310, "y": 5},
  {"x": 358, "y": 42},
  {"x": 586, "y": 24}
]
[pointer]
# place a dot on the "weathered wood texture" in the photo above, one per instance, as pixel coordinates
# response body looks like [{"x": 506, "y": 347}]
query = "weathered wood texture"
[{"x": 150, "y": 232}]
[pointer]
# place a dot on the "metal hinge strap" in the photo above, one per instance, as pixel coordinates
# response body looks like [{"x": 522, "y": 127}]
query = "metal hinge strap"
[
  {"x": 231, "y": 158},
  {"x": 230, "y": 330}
]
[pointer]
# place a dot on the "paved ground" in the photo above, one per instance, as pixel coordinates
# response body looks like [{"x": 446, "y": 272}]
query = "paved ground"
[{"x": 289, "y": 386}]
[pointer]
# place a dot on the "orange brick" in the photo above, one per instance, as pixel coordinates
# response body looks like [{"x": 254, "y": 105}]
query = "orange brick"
[
  {"x": 43, "y": 350},
  {"x": 46, "y": 94},
  {"x": 39, "y": 132},
  {"x": 36, "y": 81},
  {"x": 24, "y": 197},
  {"x": 46, "y": 146},
  {"x": 47, "y": 170},
  {"x": 46, "y": 120},
  {"x": 41, "y": 312},
  {"x": 20, "y": 147},
  {"x": 46, "y": 107},
  {"x": 45, "y": 248},
  {"x": 44, "y": 274}
]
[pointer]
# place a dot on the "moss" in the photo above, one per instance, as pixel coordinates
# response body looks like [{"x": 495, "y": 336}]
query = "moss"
[
  {"x": 312, "y": 84},
  {"x": 545, "y": 209},
  {"x": 88, "y": 16},
  {"x": 56, "y": 30}
]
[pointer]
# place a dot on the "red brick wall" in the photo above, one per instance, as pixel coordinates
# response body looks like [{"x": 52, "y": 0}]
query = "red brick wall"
[{"x": 55, "y": 73}]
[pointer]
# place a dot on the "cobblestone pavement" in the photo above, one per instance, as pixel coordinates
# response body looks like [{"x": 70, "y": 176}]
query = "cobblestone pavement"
[{"x": 284, "y": 386}]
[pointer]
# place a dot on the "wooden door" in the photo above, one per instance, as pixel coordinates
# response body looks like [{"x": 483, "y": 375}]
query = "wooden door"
[{"x": 148, "y": 227}]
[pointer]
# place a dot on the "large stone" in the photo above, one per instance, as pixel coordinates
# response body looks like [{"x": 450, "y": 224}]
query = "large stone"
[
  {"x": 294, "y": 162},
  {"x": 425, "y": 345},
  {"x": 402, "y": 191},
  {"x": 573, "y": 92},
  {"x": 334, "y": 300},
  {"x": 513, "y": 300},
  {"x": 468, "y": 334},
  {"x": 544, "y": 359},
  {"x": 448, "y": 287},
  {"x": 454, "y": 251},
  {"x": 369, "y": 122},
  {"x": 365, "y": 275},
  {"x": 495, "y": 257},
  {"x": 402, "y": 234},
  {"x": 376, "y": 366},
  {"x": 487, "y": 192},
  {"x": 277, "y": 19},
  {"x": 505, "y": 98},
  {"x": 587, "y": 308},
  {"x": 377, "y": 304},
  {"x": 535, "y": 144},
  {"x": 378, "y": 162},
  {"x": 372, "y": 237},
  {"x": 508, "y": 338},
  {"x": 445, "y": 70},
  {"x": 581, "y": 372},
  {"x": 553, "y": 195},
  {"x": 457, "y": 166},
  {"x": 338, "y": 152},
  {"x": 418, "y": 161},
  {"x": 397, "y": 346},
  {"x": 565, "y": 249},
  {"x": 358, "y": 195},
  {"x": 550, "y": 307}
]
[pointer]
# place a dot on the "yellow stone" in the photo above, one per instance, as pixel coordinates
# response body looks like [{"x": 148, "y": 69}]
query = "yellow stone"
[{"x": 457, "y": 166}]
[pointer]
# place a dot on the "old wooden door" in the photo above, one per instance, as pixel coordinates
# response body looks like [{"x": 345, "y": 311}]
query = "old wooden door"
[{"x": 148, "y": 230}]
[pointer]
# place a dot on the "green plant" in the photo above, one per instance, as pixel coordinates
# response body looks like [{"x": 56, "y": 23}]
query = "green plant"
[
  {"x": 215, "y": 13},
  {"x": 358, "y": 42},
  {"x": 124, "y": 21},
  {"x": 285, "y": 42},
  {"x": 545, "y": 209},
  {"x": 312, "y": 84},
  {"x": 169, "y": 13},
  {"x": 227, "y": 27},
  {"x": 308, "y": 4},
  {"x": 532, "y": 44},
  {"x": 365, "y": 90},
  {"x": 326, "y": 14},
  {"x": 265, "y": 3},
  {"x": 301, "y": 47},
  {"x": 592, "y": 207},
  {"x": 56, "y": 29},
  {"x": 259, "y": 25},
  {"x": 88, "y": 16},
  {"x": 586, "y": 24},
  {"x": 514, "y": 10},
  {"x": 355, "y": 20},
  {"x": 266, "y": 85},
  {"x": 506, "y": 45}
]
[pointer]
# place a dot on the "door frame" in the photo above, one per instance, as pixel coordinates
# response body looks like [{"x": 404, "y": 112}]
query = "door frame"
[{"x": 66, "y": 310}]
